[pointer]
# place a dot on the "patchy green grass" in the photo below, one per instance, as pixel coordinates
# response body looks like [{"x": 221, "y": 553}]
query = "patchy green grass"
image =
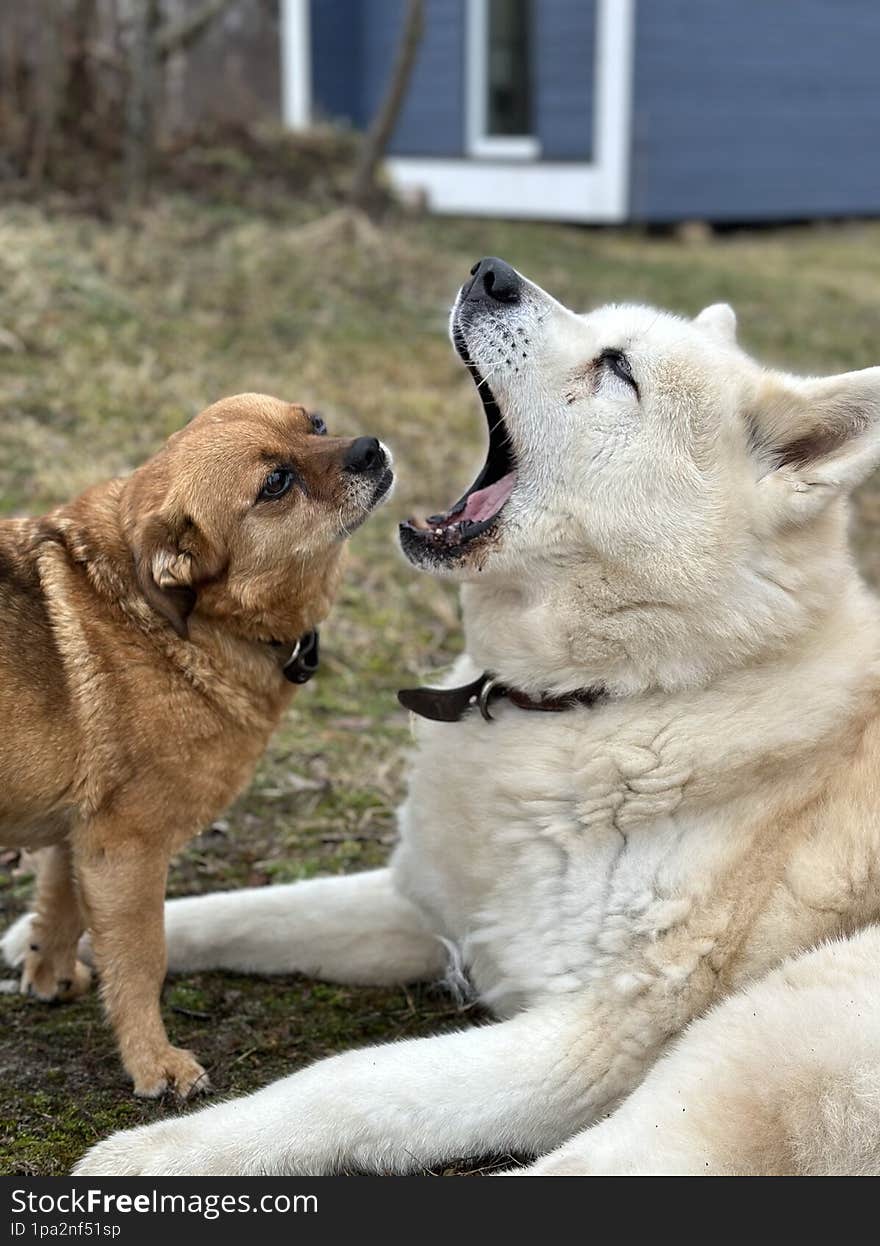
[{"x": 111, "y": 335}]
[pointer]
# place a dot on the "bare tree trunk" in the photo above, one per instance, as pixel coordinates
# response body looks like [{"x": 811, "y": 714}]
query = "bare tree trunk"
[
  {"x": 14, "y": 96},
  {"x": 79, "y": 106},
  {"x": 48, "y": 86},
  {"x": 363, "y": 189},
  {"x": 143, "y": 85}
]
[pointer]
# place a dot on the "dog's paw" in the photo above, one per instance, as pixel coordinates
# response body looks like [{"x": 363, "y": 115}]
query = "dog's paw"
[
  {"x": 47, "y": 980},
  {"x": 150, "y": 1151},
  {"x": 198, "y": 1145},
  {"x": 17, "y": 940},
  {"x": 174, "y": 1069}
]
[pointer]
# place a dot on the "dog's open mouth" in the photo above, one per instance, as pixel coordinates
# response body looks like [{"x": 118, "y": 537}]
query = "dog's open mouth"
[{"x": 477, "y": 510}]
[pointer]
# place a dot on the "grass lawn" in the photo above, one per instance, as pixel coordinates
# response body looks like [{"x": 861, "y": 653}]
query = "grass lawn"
[{"x": 111, "y": 336}]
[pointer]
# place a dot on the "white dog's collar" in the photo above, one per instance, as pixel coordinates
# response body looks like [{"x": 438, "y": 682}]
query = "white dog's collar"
[{"x": 449, "y": 705}]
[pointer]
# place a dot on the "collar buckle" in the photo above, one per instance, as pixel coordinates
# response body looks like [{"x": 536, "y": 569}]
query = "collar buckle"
[
  {"x": 302, "y": 662},
  {"x": 485, "y": 697}
]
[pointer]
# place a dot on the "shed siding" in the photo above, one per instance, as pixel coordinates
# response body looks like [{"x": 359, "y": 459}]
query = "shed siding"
[
  {"x": 432, "y": 120},
  {"x": 353, "y": 46},
  {"x": 336, "y": 60},
  {"x": 759, "y": 109},
  {"x": 564, "y": 41}
]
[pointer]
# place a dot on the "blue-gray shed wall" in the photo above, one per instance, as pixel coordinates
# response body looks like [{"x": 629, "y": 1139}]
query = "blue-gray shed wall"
[
  {"x": 432, "y": 120},
  {"x": 336, "y": 59},
  {"x": 757, "y": 109},
  {"x": 565, "y": 45},
  {"x": 353, "y": 43}
]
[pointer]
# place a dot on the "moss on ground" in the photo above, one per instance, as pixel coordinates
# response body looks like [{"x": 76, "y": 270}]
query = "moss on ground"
[{"x": 111, "y": 335}]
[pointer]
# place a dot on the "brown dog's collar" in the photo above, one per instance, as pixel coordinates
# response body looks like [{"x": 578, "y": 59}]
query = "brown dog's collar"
[
  {"x": 301, "y": 663},
  {"x": 449, "y": 705}
]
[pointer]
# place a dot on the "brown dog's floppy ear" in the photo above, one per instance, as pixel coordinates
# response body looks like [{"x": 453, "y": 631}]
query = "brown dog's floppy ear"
[{"x": 172, "y": 558}]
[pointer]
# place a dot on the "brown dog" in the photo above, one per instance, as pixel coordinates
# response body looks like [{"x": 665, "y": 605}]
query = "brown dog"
[{"x": 145, "y": 634}]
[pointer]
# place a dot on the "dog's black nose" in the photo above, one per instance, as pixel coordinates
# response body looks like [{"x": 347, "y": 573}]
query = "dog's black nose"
[
  {"x": 364, "y": 455},
  {"x": 493, "y": 281}
]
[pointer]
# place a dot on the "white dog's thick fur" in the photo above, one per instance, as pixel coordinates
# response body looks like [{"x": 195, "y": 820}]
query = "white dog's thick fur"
[
  {"x": 781, "y": 1078},
  {"x": 608, "y": 874}
]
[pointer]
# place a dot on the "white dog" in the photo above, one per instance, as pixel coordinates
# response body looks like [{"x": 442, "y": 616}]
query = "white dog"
[{"x": 654, "y": 782}]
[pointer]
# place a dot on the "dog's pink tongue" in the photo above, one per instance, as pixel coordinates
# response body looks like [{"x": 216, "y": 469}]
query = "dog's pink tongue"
[{"x": 488, "y": 502}]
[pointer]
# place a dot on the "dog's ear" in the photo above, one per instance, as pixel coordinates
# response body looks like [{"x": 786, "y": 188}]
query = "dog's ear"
[
  {"x": 816, "y": 439},
  {"x": 173, "y": 560},
  {"x": 719, "y": 320}
]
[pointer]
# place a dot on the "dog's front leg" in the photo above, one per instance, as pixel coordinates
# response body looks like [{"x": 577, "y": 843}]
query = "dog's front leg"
[
  {"x": 50, "y": 969},
  {"x": 353, "y": 928},
  {"x": 518, "y": 1086},
  {"x": 122, "y": 883}
]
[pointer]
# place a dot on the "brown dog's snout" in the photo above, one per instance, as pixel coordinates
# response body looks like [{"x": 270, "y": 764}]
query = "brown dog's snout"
[{"x": 364, "y": 457}]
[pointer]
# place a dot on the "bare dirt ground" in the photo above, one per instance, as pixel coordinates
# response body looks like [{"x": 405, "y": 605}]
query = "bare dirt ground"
[{"x": 112, "y": 335}]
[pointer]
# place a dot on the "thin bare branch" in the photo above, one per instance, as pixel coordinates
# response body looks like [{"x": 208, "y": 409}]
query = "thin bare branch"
[
  {"x": 377, "y": 138},
  {"x": 178, "y": 36}
]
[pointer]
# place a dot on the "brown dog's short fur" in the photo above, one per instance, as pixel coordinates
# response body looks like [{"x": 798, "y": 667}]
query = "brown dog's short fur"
[{"x": 143, "y": 629}]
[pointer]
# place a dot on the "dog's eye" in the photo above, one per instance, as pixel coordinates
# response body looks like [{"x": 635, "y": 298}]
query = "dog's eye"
[
  {"x": 318, "y": 425},
  {"x": 276, "y": 483},
  {"x": 617, "y": 362}
]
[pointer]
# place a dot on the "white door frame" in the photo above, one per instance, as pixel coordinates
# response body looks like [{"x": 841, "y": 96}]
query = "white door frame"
[{"x": 296, "y": 64}]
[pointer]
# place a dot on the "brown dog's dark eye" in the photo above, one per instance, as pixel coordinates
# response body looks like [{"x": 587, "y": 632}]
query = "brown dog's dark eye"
[
  {"x": 276, "y": 484},
  {"x": 318, "y": 425}
]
